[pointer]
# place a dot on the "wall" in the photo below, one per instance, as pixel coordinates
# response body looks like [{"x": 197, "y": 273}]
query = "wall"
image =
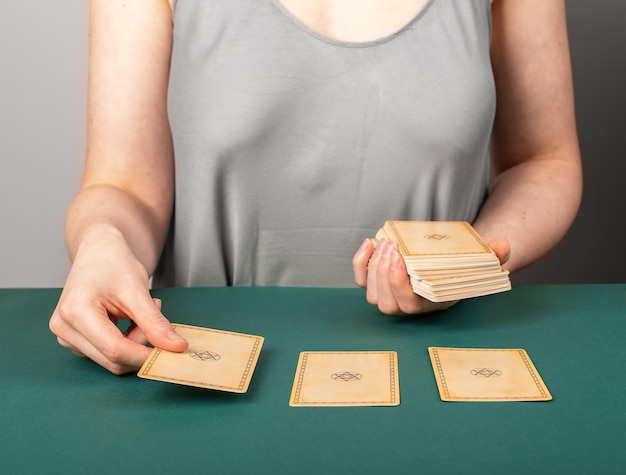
[
  {"x": 43, "y": 59},
  {"x": 43, "y": 55},
  {"x": 594, "y": 250}
]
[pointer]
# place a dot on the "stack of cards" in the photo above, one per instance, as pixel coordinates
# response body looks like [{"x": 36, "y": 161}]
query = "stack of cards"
[{"x": 446, "y": 260}]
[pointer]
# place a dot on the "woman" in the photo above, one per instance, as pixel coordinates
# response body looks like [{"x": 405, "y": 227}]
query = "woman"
[{"x": 298, "y": 127}]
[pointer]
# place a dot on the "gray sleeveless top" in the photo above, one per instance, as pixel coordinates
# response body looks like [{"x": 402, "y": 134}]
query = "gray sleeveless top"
[{"x": 292, "y": 148}]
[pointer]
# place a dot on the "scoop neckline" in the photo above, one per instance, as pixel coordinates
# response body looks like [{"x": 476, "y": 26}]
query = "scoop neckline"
[{"x": 352, "y": 44}]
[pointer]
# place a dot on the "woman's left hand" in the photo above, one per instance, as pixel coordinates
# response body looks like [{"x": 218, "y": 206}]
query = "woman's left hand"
[{"x": 381, "y": 271}]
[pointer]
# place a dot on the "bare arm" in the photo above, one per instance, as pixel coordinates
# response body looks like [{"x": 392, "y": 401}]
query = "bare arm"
[
  {"x": 128, "y": 180},
  {"x": 118, "y": 222},
  {"x": 537, "y": 182}
]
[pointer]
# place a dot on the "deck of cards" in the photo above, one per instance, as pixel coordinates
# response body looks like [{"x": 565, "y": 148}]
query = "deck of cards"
[{"x": 446, "y": 260}]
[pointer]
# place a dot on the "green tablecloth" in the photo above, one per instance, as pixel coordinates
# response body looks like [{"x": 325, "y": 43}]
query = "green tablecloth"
[{"x": 63, "y": 414}]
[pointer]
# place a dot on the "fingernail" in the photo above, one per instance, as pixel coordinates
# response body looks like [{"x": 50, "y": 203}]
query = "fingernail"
[
  {"x": 395, "y": 261},
  {"x": 380, "y": 247},
  {"x": 175, "y": 336}
]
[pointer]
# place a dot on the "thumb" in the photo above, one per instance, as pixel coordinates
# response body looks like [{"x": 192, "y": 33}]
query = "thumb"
[
  {"x": 157, "y": 329},
  {"x": 502, "y": 248}
]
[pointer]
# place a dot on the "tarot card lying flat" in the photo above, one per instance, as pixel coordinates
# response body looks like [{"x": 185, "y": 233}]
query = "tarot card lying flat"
[
  {"x": 486, "y": 374},
  {"x": 346, "y": 378},
  {"x": 215, "y": 359}
]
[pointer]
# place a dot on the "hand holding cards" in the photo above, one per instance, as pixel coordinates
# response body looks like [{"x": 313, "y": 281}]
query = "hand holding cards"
[{"x": 446, "y": 260}]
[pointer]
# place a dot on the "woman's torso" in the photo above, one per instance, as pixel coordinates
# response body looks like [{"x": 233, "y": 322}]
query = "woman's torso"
[{"x": 292, "y": 147}]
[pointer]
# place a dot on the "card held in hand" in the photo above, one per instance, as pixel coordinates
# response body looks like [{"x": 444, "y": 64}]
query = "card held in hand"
[
  {"x": 346, "y": 378},
  {"x": 215, "y": 359},
  {"x": 438, "y": 239},
  {"x": 487, "y": 374},
  {"x": 446, "y": 260}
]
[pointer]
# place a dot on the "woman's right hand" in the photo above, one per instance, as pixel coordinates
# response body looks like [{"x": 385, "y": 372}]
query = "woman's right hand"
[
  {"x": 107, "y": 283},
  {"x": 116, "y": 226}
]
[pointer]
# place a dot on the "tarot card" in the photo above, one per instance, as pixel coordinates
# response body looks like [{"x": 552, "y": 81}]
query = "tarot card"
[
  {"x": 487, "y": 374},
  {"x": 215, "y": 359},
  {"x": 425, "y": 240},
  {"x": 346, "y": 378}
]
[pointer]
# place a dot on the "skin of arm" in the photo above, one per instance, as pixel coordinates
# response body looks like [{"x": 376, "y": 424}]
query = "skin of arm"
[
  {"x": 117, "y": 224},
  {"x": 537, "y": 187},
  {"x": 537, "y": 183}
]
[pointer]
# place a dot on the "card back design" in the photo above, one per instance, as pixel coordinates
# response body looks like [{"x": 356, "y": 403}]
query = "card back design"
[
  {"x": 417, "y": 238},
  {"x": 215, "y": 359},
  {"x": 487, "y": 374},
  {"x": 346, "y": 378}
]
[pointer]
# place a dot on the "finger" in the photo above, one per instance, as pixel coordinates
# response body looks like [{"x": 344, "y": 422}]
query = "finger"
[
  {"x": 360, "y": 262},
  {"x": 134, "y": 333},
  {"x": 371, "y": 289},
  {"x": 131, "y": 362},
  {"x": 157, "y": 329},
  {"x": 502, "y": 248},
  {"x": 120, "y": 357},
  {"x": 386, "y": 293},
  {"x": 130, "y": 365},
  {"x": 67, "y": 345},
  {"x": 407, "y": 301}
]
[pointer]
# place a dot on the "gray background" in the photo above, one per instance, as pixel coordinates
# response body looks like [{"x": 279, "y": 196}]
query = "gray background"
[{"x": 43, "y": 61}]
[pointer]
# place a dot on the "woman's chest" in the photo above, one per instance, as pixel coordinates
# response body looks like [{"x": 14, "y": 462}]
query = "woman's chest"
[{"x": 354, "y": 20}]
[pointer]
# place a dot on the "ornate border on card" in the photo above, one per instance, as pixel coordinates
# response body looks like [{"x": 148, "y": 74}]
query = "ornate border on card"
[
  {"x": 533, "y": 373},
  {"x": 298, "y": 389},
  {"x": 145, "y": 370},
  {"x": 250, "y": 364},
  {"x": 392, "y": 377},
  {"x": 443, "y": 385},
  {"x": 391, "y": 225},
  {"x": 304, "y": 356}
]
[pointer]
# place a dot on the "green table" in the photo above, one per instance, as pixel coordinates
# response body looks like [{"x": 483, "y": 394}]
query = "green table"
[{"x": 63, "y": 414}]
